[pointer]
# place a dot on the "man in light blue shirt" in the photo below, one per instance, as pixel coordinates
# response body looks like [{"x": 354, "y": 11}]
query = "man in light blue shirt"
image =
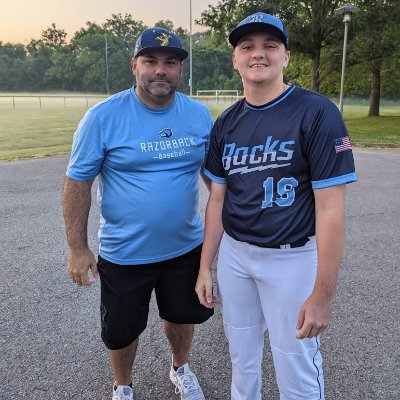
[{"x": 147, "y": 145}]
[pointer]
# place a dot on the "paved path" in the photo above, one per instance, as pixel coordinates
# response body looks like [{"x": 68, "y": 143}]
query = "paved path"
[{"x": 49, "y": 329}]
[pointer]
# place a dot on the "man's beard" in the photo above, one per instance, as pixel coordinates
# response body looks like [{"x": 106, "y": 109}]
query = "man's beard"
[
  {"x": 163, "y": 91},
  {"x": 162, "y": 95}
]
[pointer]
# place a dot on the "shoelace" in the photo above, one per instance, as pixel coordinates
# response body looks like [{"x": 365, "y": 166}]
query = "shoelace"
[{"x": 186, "y": 383}]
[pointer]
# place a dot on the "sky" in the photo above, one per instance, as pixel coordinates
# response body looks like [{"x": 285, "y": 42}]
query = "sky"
[{"x": 23, "y": 20}]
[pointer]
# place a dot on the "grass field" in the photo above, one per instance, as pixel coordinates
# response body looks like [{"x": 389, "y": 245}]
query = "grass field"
[
  {"x": 30, "y": 131},
  {"x": 383, "y": 131}
]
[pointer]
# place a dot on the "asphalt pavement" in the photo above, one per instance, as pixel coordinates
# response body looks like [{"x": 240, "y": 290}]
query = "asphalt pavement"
[{"x": 50, "y": 346}]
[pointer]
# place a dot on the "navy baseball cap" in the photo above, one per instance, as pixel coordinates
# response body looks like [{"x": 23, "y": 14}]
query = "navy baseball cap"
[
  {"x": 259, "y": 22},
  {"x": 159, "y": 39}
]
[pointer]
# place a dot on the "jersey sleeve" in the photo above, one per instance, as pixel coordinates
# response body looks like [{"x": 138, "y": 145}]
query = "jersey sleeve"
[
  {"x": 329, "y": 148},
  {"x": 87, "y": 152},
  {"x": 214, "y": 168}
]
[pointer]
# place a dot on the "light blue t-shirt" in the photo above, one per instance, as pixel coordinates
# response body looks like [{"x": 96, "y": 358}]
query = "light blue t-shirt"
[{"x": 148, "y": 162}]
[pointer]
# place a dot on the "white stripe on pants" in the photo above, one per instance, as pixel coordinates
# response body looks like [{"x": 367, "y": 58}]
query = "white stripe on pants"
[{"x": 261, "y": 289}]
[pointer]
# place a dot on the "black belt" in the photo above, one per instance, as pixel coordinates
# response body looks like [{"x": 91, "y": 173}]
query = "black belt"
[{"x": 297, "y": 243}]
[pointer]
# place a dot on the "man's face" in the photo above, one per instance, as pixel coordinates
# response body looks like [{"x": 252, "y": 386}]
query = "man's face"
[
  {"x": 157, "y": 77},
  {"x": 260, "y": 58}
]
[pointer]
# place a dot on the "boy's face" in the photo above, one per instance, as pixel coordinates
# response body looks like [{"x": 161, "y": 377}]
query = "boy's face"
[{"x": 260, "y": 58}]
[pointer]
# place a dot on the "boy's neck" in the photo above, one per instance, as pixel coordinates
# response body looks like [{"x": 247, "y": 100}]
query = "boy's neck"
[{"x": 258, "y": 95}]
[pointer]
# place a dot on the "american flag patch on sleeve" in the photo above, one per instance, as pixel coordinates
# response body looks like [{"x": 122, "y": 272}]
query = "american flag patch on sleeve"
[{"x": 342, "y": 144}]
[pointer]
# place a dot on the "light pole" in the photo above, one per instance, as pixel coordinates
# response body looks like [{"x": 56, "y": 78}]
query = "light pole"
[
  {"x": 346, "y": 11},
  {"x": 190, "y": 54},
  {"x": 106, "y": 55}
]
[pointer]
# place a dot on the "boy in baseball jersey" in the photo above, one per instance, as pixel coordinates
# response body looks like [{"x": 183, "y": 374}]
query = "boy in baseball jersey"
[{"x": 279, "y": 162}]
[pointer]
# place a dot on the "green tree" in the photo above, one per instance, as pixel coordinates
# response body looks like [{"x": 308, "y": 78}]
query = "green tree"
[
  {"x": 390, "y": 87},
  {"x": 12, "y": 66},
  {"x": 122, "y": 33},
  {"x": 63, "y": 73},
  {"x": 83, "y": 65},
  {"x": 53, "y": 38},
  {"x": 88, "y": 46},
  {"x": 212, "y": 68},
  {"x": 39, "y": 60},
  {"x": 377, "y": 38},
  {"x": 126, "y": 29},
  {"x": 223, "y": 17},
  {"x": 299, "y": 70},
  {"x": 166, "y": 24},
  {"x": 212, "y": 65}
]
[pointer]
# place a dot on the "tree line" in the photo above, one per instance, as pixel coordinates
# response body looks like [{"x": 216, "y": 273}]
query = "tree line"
[{"x": 97, "y": 58}]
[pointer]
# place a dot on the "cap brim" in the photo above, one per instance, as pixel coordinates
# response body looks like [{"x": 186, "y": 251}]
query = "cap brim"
[
  {"x": 244, "y": 30},
  {"x": 176, "y": 51}
]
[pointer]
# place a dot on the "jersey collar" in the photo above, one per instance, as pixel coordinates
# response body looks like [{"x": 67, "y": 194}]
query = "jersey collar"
[{"x": 272, "y": 103}]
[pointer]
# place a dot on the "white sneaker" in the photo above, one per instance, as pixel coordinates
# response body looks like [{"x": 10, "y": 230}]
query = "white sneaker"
[
  {"x": 186, "y": 383},
  {"x": 123, "y": 392}
]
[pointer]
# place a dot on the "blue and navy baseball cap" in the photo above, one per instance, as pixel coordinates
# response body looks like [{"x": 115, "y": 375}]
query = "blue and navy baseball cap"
[
  {"x": 159, "y": 39},
  {"x": 259, "y": 22}
]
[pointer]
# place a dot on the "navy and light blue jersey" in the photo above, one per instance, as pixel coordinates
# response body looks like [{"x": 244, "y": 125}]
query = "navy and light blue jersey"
[
  {"x": 272, "y": 158},
  {"x": 148, "y": 162}
]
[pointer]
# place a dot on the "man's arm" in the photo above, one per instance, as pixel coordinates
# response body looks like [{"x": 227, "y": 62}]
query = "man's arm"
[
  {"x": 77, "y": 198},
  {"x": 315, "y": 313},
  {"x": 212, "y": 238}
]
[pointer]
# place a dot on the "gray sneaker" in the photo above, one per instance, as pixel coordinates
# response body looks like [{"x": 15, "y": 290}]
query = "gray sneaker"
[
  {"x": 122, "y": 392},
  {"x": 186, "y": 383}
]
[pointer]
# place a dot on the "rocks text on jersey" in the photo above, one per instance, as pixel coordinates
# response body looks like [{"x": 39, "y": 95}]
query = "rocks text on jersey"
[{"x": 271, "y": 154}]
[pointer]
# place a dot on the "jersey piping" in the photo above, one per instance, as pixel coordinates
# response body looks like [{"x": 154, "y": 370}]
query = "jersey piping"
[{"x": 281, "y": 98}]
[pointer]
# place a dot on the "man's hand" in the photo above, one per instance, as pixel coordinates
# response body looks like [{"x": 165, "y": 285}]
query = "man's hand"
[
  {"x": 204, "y": 287},
  {"x": 79, "y": 263},
  {"x": 314, "y": 317}
]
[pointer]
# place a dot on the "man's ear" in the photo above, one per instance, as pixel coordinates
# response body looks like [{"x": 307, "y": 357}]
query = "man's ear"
[{"x": 133, "y": 65}]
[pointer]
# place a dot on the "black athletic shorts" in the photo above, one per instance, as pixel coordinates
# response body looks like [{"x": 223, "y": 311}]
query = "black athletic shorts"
[{"x": 126, "y": 292}]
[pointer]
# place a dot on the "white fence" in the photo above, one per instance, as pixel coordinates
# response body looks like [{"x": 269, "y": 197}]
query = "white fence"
[
  {"x": 218, "y": 96},
  {"x": 44, "y": 101}
]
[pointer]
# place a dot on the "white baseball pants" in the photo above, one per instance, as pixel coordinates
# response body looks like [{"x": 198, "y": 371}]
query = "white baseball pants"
[{"x": 263, "y": 289}]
